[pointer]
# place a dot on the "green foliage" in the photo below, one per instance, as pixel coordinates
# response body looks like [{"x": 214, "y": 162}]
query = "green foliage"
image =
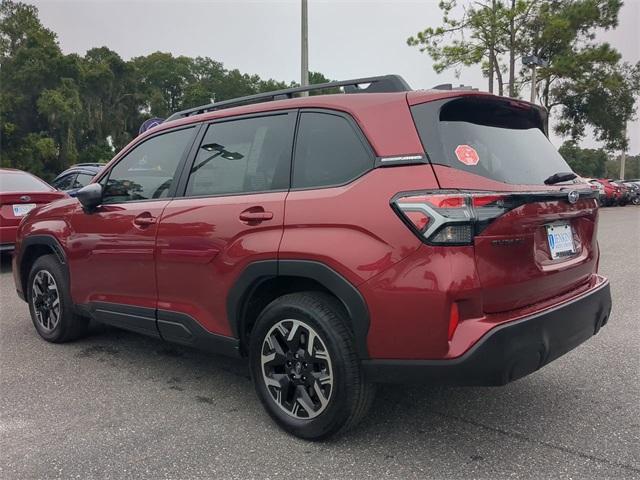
[
  {"x": 631, "y": 167},
  {"x": 489, "y": 33},
  {"x": 585, "y": 81},
  {"x": 602, "y": 98},
  {"x": 58, "y": 109},
  {"x": 586, "y": 162},
  {"x": 37, "y": 153},
  {"x": 596, "y": 163}
]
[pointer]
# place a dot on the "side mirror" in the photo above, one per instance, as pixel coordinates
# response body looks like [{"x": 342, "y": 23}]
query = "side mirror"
[{"x": 90, "y": 196}]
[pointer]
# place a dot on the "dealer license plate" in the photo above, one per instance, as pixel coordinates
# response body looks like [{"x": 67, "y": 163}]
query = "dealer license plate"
[
  {"x": 22, "y": 209},
  {"x": 560, "y": 238}
]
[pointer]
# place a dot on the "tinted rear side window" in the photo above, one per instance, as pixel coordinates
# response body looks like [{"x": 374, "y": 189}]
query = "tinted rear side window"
[
  {"x": 329, "y": 151},
  {"x": 488, "y": 137},
  {"x": 244, "y": 155},
  {"x": 64, "y": 183}
]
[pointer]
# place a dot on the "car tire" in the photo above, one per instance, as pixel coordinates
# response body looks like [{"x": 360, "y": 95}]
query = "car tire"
[
  {"x": 50, "y": 302},
  {"x": 314, "y": 388}
]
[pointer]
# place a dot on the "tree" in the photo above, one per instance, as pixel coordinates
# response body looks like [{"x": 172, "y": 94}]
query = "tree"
[
  {"x": 58, "y": 109},
  {"x": 486, "y": 31},
  {"x": 586, "y": 80},
  {"x": 61, "y": 107},
  {"x": 586, "y": 162},
  {"x": 31, "y": 61},
  {"x": 112, "y": 102},
  {"x": 582, "y": 76},
  {"x": 631, "y": 169},
  {"x": 162, "y": 78}
]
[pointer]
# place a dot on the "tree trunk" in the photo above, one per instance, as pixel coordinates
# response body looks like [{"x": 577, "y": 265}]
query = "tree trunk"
[
  {"x": 545, "y": 102},
  {"x": 491, "y": 72},
  {"x": 492, "y": 44},
  {"x": 499, "y": 75},
  {"x": 512, "y": 52}
]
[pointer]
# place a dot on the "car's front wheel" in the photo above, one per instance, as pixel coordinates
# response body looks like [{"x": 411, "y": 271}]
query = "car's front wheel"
[
  {"x": 50, "y": 302},
  {"x": 305, "y": 368}
]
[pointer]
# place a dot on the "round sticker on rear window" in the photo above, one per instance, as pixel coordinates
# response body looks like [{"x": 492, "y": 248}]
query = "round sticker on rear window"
[{"x": 467, "y": 155}]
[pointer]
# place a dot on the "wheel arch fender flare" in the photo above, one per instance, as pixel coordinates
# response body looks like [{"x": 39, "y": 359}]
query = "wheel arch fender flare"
[
  {"x": 258, "y": 272},
  {"x": 34, "y": 241}
]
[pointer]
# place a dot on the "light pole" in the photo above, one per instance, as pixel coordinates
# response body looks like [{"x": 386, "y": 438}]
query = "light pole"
[
  {"x": 304, "y": 44},
  {"x": 533, "y": 62}
]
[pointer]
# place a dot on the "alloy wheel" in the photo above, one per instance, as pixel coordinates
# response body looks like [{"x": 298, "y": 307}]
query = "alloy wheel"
[
  {"x": 45, "y": 299},
  {"x": 296, "y": 368}
]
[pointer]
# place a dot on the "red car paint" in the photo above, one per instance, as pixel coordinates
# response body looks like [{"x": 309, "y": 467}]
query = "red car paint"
[
  {"x": 612, "y": 192},
  {"x": 192, "y": 252},
  {"x": 35, "y": 192}
]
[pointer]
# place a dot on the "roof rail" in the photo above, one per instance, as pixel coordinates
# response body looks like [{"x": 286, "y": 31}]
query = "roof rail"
[
  {"x": 385, "y": 83},
  {"x": 449, "y": 86}
]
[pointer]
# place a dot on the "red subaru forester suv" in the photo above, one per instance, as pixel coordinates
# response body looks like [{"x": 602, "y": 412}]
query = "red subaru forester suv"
[{"x": 337, "y": 241}]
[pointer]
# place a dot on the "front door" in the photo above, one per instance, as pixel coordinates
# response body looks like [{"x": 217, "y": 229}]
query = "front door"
[{"x": 113, "y": 247}]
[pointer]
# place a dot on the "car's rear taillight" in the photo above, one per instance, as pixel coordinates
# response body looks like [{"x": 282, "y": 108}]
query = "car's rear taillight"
[
  {"x": 449, "y": 218},
  {"x": 452, "y": 217}
]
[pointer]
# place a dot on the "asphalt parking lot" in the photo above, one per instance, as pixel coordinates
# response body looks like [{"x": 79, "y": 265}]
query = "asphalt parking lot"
[{"x": 118, "y": 405}]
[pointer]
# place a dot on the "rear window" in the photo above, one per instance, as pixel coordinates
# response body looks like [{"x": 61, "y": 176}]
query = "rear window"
[
  {"x": 22, "y": 182},
  {"x": 500, "y": 140}
]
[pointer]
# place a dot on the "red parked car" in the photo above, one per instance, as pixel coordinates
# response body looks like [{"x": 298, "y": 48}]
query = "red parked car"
[
  {"x": 20, "y": 192},
  {"x": 338, "y": 241},
  {"x": 612, "y": 192}
]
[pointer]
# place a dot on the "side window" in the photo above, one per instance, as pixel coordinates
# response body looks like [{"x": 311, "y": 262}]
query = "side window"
[
  {"x": 148, "y": 171},
  {"x": 81, "y": 180},
  {"x": 328, "y": 151},
  {"x": 244, "y": 155},
  {"x": 65, "y": 182}
]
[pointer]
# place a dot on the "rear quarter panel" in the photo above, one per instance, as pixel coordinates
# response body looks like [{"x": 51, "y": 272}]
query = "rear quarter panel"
[{"x": 353, "y": 228}]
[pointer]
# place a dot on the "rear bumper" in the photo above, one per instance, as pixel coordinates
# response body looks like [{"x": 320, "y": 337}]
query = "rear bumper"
[{"x": 509, "y": 351}]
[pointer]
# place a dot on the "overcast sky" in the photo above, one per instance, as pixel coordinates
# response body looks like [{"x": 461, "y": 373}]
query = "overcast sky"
[{"x": 347, "y": 39}]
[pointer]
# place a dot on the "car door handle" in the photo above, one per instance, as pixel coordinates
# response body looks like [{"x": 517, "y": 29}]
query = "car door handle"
[
  {"x": 144, "y": 220},
  {"x": 254, "y": 215}
]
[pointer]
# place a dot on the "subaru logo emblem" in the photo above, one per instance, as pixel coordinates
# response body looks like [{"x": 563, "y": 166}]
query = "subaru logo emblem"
[
  {"x": 25, "y": 198},
  {"x": 573, "y": 196}
]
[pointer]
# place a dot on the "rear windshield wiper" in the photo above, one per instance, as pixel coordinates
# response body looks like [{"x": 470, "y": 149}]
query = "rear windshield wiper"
[{"x": 560, "y": 177}]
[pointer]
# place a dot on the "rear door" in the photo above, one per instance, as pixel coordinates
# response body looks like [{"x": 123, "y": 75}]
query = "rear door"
[
  {"x": 231, "y": 214},
  {"x": 532, "y": 241}
]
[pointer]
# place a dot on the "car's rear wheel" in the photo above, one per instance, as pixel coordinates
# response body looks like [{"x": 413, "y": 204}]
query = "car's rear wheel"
[
  {"x": 305, "y": 368},
  {"x": 50, "y": 302}
]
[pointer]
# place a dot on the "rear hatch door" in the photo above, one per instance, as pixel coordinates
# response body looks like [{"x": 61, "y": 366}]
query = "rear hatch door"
[{"x": 532, "y": 241}]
